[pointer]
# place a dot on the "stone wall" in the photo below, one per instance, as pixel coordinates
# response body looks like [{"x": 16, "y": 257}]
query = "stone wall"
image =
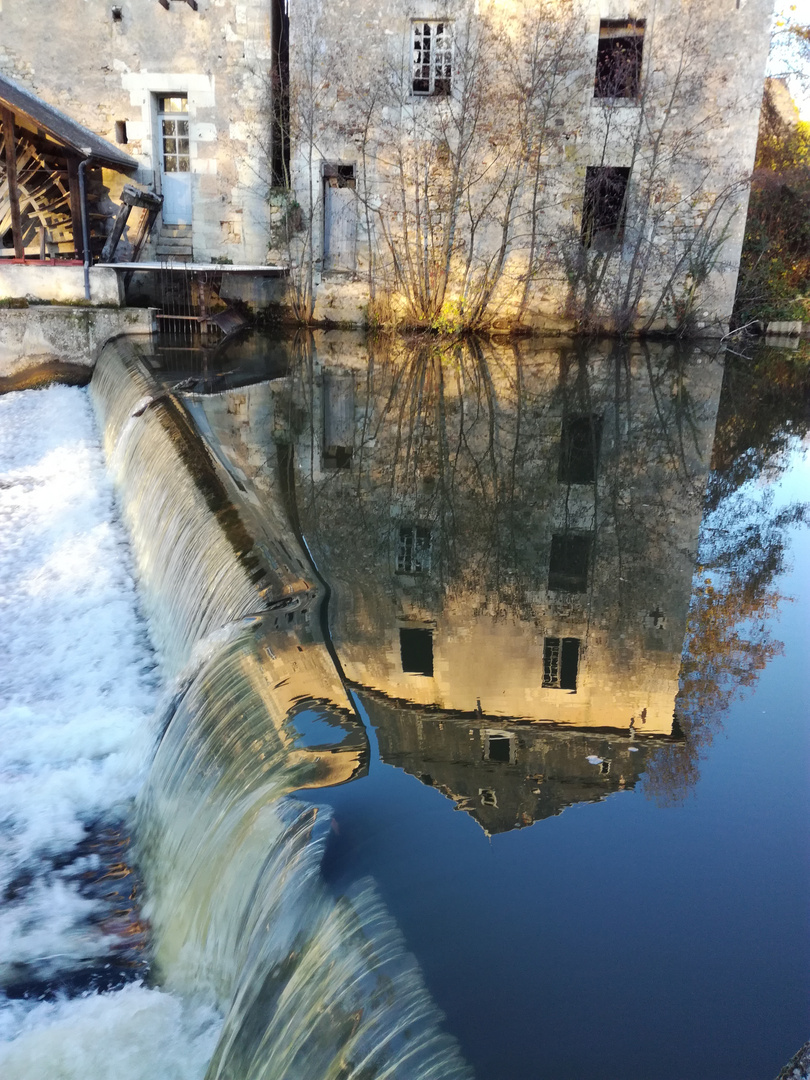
[
  {"x": 36, "y": 336},
  {"x": 687, "y": 138},
  {"x": 59, "y": 284}
]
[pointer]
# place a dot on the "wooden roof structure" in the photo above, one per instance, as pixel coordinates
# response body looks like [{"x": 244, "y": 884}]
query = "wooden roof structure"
[{"x": 40, "y": 152}]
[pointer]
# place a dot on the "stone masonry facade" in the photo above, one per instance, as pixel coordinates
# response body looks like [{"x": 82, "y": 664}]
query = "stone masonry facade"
[{"x": 547, "y": 164}]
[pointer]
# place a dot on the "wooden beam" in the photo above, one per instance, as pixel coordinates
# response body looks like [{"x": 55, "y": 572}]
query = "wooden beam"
[
  {"x": 117, "y": 231},
  {"x": 11, "y": 178},
  {"x": 75, "y": 205}
]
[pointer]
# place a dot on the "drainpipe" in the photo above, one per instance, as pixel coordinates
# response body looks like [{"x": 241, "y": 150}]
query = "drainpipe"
[{"x": 85, "y": 230}]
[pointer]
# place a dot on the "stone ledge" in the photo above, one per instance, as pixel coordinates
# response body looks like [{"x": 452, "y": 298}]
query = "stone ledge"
[
  {"x": 59, "y": 284},
  {"x": 36, "y": 336}
]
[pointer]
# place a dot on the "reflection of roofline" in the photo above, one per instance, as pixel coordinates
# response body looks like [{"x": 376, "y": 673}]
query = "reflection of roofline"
[
  {"x": 515, "y": 721},
  {"x": 60, "y": 127}
]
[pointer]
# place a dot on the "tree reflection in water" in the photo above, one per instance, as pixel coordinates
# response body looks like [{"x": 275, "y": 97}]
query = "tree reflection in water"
[
  {"x": 512, "y": 533},
  {"x": 764, "y": 412}
]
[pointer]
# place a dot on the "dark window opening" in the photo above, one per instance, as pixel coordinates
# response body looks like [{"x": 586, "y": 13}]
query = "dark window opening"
[
  {"x": 560, "y": 663},
  {"x": 339, "y": 176},
  {"x": 432, "y": 58},
  {"x": 618, "y": 58},
  {"x": 121, "y": 131},
  {"x": 498, "y": 747},
  {"x": 416, "y": 650},
  {"x": 604, "y": 210},
  {"x": 117, "y": 14},
  {"x": 413, "y": 550},
  {"x": 568, "y": 564},
  {"x": 579, "y": 449},
  {"x": 338, "y": 457},
  {"x": 280, "y": 94}
]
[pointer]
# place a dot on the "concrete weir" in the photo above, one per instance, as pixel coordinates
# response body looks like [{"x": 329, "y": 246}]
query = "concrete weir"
[{"x": 40, "y": 339}]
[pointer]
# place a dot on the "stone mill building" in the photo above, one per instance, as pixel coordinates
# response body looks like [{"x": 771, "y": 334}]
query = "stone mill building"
[{"x": 543, "y": 164}]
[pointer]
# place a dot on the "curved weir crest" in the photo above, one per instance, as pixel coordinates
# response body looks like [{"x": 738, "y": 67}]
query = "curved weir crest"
[{"x": 311, "y": 987}]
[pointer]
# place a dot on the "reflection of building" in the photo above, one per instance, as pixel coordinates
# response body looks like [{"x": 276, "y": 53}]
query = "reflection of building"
[
  {"x": 522, "y": 554},
  {"x": 506, "y": 776},
  {"x": 509, "y": 535}
]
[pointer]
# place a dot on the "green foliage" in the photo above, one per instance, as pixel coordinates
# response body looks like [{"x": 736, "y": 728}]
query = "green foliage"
[{"x": 452, "y": 319}]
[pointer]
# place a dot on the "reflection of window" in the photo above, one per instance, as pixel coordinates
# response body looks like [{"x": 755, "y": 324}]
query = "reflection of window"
[
  {"x": 338, "y": 457},
  {"x": 568, "y": 565},
  {"x": 560, "y": 663},
  {"x": 488, "y": 797},
  {"x": 432, "y": 58},
  {"x": 498, "y": 747},
  {"x": 579, "y": 448},
  {"x": 413, "y": 550},
  {"x": 604, "y": 209},
  {"x": 416, "y": 650},
  {"x": 338, "y": 420},
  {"x": 618, "y": 58}
]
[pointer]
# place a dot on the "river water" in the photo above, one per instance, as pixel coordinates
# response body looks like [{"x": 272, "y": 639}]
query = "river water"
[{"x": 393, "y": 709}]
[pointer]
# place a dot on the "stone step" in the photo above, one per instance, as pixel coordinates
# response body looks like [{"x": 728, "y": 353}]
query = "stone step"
[
  {"x": 174, "y": 247},
  {"x": 176, "y": 231}
]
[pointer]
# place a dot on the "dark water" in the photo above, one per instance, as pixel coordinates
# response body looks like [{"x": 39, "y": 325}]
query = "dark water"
[{"x": 606, "y": 874}]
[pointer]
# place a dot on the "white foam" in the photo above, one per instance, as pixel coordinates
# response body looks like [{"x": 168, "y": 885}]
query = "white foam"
[
  {"x": 129, "y": 1034},
  {"x": 78, "y": 683}
]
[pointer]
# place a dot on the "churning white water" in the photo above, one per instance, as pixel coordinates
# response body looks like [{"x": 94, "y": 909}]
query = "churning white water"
[{"x": 78, "y": 690}]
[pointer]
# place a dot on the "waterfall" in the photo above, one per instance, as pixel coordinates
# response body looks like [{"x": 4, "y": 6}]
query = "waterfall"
[{"x": 311, "y": 986}]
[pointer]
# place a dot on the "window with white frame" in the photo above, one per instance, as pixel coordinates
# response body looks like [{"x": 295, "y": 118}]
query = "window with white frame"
[
  {"x": 432, "y": 58},
  {"x": 413, "y": 550}
]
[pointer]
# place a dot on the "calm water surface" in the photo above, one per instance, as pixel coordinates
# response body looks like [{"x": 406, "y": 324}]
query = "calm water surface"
[{"x": 589, "y": 888}]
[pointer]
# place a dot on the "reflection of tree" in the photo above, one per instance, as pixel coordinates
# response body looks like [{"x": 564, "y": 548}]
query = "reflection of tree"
[
  {"x": 465, "y": 439},
  {"x": 744, "y": 540}
]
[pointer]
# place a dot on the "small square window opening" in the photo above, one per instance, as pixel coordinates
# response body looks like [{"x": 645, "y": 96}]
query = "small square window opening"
[
  {"x": 579, "y": 448},
  {"x": 432, "y": 58},
  {"x": 604, "y": 209},
  {"x": 498, "y": 747},
  {"x": 413, "y": 550},
  {"x": 568, "y": 564},
  {"x": 416, "y": 651},
  {"x": 618, "y": 58}
]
